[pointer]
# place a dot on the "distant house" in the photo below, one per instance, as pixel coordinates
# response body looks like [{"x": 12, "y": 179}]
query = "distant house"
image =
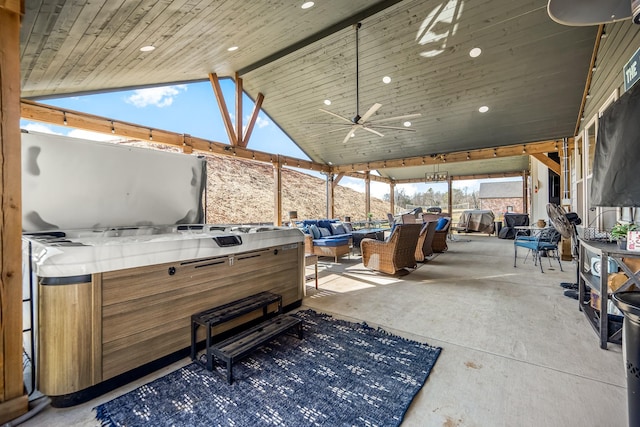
[{"x": 501, "y": 197}]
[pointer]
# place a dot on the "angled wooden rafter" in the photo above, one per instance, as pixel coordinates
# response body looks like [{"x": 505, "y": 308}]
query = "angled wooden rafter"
[
  {"x": 239, "y": 139},
  {"x": 226, "y": 118},
  {"x": 548, "y": 162},
  {"x": 252, "y": 120}
]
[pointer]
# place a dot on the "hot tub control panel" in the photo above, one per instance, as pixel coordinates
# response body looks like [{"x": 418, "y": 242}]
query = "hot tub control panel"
[{"x": 224, "y": 241}]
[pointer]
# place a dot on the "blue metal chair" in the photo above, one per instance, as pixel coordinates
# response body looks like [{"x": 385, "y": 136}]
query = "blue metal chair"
[{"x": 545, "y": 242}]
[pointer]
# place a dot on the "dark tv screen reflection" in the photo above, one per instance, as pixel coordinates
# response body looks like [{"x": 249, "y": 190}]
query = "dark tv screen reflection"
[{"x": 616, "y": 164}]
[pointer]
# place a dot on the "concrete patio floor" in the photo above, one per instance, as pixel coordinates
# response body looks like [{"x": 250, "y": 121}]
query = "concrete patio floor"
[{"x": 516, "y": 352}]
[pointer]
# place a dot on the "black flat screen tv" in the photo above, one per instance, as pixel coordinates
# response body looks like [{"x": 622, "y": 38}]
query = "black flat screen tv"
[{"x": 616, "y": 164}]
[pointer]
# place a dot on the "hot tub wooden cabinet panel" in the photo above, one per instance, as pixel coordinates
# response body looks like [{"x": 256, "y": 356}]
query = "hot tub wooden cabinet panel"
[
  {"x": 70, "y": 341},
  {"x": 141, "y": 314}
]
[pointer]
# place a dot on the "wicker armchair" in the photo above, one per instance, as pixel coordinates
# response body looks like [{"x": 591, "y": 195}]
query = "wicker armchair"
[
  {"x": 439, "y": 243},
  {"x": 425, "y": 241},
  {"x": 394, "y": 254},
  {"x": 440, "y": 238}
]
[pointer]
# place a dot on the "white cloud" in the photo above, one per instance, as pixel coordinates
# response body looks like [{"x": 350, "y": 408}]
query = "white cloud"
[
  {"x": 378, "y": 189},
  {"x": 262, "y": 122},
  {"x": 158, "y": 96},
  {"x": 409, "y": 189},
  {"x": 92, "y": 136},
  {"x": 39, "y": 127}
]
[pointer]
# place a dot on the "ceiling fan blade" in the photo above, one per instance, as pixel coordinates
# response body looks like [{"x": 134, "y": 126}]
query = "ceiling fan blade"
[
  {"x": 335, "y": 115},
  {"x": 588, "y": 12},
  {"x": 326, "y": 132},
  {"x": 391, "y": 119},
  {"x": 373, "y": 131},
  {"x": 327, "y": 123},
  {"x": 370, "y": 112},
  {"x": 371, "y": 125},
  {"x": 346, "y": 138}
]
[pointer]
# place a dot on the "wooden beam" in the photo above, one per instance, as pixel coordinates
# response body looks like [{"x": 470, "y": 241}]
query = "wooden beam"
[
  {"x": 457, "y": 156},
  {"x": 461, "y": 177},
  {"x": 548, "y": 162},
  {"x": 587, "y": 84},
  {"x": 362, "y": 175},
  {"x": 277, "y": 192},
  {"x": 239, "y": 92},
  {"x": 222, "y": 105},
  {"x": 252, "y": 121},
  {"x": 13, "y": 401},
  {"x": 337, "y": 178},
  {"x": 48, "y": 114}
]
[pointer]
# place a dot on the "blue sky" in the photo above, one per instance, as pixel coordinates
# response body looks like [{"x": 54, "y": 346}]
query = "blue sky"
[{"x": 192, "y": 109}]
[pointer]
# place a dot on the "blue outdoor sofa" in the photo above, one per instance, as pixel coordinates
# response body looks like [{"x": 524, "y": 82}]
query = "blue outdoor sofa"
[{"x": 327, "y": 237}]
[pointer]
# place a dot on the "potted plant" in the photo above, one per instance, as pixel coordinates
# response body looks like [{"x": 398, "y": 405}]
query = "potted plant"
[{"x": 619, "y": 233}]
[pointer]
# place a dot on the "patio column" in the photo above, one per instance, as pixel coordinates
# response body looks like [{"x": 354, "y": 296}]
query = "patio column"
[
  {"x": 392, "y": 198},
  {"x": 367, "y": 192},
  {"x": 450, "y": 196},
  {"x": 330, "y": 200},
  {"x": 525, "y": 198},
  {"x": 13, "y": 401},
  {"x": 277, "y": 191}
]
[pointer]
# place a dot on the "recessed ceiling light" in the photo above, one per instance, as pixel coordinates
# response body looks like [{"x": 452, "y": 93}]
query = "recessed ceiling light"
[
  {"x": 483, "y": 109},
  {"x": 407, "y": 124},
  {"x": 232, "y": 48},
  {"x": 386, "y": 79},
  {"x": 475, "y": 52},
  {"x": 327, "y": 102},
  {"x": 307, "y": 4},
  {"x": 147, "y": 48}
]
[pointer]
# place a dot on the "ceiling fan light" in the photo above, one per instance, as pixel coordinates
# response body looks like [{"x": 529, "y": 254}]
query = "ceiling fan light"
[{"x": 386, "y": 79}]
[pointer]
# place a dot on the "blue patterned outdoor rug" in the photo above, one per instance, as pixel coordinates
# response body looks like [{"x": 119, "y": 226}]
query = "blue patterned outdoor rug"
[{"x": 341, "y": 373}]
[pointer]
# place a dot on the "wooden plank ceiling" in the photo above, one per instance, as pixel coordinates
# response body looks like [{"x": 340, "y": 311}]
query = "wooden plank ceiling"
[{"x": 531, "y": 73}]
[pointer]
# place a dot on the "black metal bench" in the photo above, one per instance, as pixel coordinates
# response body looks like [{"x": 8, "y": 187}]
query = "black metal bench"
[{"x": 246, "y": 341}]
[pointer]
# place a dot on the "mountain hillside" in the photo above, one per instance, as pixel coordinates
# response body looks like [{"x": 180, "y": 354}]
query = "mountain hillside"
[{"x": 240, "y": 191}]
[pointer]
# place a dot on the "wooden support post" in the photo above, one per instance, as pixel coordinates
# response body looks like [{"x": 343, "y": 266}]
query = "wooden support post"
[
  {"x": 392, "y": 198},
  {"x": 450, "y": 196},
  {"x": 277, "y": 192},
  {"x": 331, "y": 212},
  {"x": 13, "y": 401},
  {"x": 367, "y": 192},
  {"x": 525, "y": 198}
]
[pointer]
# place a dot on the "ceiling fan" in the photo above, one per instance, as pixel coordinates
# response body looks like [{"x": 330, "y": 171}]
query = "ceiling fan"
[
  {"x": 593, "y": 12},
  {"x": 363, "y": 122}
]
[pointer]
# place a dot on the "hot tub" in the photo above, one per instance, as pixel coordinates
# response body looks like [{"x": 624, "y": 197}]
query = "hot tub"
[
  {"x": 115, "y": 299},
  {"x": 110, "y": 300}
]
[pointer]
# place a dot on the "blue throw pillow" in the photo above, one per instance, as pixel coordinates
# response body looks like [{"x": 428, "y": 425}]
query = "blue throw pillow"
[
  {"x": 324, "y": 232},
  {"x": 314, "y": 231},
  {"x": 337, "y": 229},
  {"x": 442, "y": 222}
]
